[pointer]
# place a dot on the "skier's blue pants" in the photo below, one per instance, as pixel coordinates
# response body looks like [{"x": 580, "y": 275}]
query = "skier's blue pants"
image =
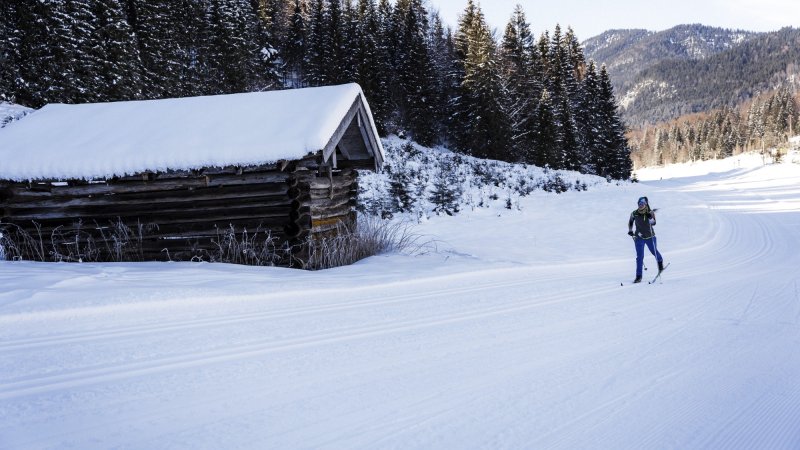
[{"x": 652, "y": 246}]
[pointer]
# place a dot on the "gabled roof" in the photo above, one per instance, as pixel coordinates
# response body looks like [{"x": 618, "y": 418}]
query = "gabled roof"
[{"x": 99, "y": 140}]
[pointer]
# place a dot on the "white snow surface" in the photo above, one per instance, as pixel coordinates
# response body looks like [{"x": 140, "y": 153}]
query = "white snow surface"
[
  {"x": 11, "y": 111},
  {"x": 101, "y": 140},
  {"x": 514, "y": 333}
]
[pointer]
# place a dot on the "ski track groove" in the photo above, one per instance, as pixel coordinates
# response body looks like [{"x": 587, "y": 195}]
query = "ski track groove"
[
  {"x": 179, "y": 325},
  {"x": 103, "y": 373}
]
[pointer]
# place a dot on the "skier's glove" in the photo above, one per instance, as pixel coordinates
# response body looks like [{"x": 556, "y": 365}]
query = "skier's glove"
[{"x": 630, "y": 233}]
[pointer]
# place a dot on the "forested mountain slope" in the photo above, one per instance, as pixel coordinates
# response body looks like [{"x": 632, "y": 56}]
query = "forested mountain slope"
[{"x": 692, "y": 68}]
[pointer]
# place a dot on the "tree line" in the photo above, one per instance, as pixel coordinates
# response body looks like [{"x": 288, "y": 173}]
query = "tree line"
[
  {"x": 513, "y": 98},
  {"x": 763, "y": 124}
]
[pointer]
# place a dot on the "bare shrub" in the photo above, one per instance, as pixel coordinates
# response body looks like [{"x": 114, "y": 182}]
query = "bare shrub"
[
  {"x": 123, "y": 243},
  {"x": 18, "y": 244},
  {"x": 259, "y": 248},
  {"x": 372, "y": 236}
]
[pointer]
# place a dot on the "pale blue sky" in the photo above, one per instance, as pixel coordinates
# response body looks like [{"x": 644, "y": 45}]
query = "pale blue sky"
[{"x": 591, "y": 17}]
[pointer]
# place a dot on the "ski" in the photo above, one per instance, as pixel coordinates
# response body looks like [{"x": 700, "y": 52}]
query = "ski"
[{"x": 658, "y": 275}]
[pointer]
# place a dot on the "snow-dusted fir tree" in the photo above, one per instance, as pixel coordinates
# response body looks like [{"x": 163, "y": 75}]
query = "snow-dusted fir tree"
[
  {"x": 294, "y": 47},
  {"x": 483, "y": 125},
  {"x": 588, "y": 120},
  {"x": 42, "y": 55},
  {"x": 239, "y": 58},
  {"x": 367, "y": 59},
  {"x": 614, "y": 161},
  {"x": 159, "y": 49},
  {"x": 523, "y": 88},
  {"x": 565, "y": 98},
  {"x": 9, "y": 51},
  {"x": 316, "y": 48},
  {"x": 334, "y": 61},
  {"x": 381, "y": 100},
  {"x": 446, "y": 191},
  {"x": 545, "y": 133},
  {"x": 114, "y": 56},
  {"x": 442, "y": 54},
  {"x": 351, "y": 40},
  {"x": 418, "y": 101}
]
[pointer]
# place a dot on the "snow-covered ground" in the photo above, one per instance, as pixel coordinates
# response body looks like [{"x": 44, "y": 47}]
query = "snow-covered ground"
[{"x": 514, "y": 333}]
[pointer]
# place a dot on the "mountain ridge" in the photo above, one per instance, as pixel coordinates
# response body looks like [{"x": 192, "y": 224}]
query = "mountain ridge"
[{"x": 659, "y": 76}]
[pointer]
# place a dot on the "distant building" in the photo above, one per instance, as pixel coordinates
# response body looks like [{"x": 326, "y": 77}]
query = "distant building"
[{"x": 182, "y": 175}]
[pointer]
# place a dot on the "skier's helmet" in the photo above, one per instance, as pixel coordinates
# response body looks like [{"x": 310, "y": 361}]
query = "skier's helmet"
[{"x": 642, "y": 201}]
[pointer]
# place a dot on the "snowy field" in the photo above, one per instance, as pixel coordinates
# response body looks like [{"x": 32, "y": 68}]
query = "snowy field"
[{"x": 514, "y": 333}]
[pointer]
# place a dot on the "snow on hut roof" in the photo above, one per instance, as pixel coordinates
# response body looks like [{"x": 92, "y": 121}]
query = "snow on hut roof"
[{"x": 100, "y": 140}]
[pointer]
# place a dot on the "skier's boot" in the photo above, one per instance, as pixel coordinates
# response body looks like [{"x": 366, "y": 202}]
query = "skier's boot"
[
  {"x": 638, "y": 279},
  {"x": 660, "y": 266}
]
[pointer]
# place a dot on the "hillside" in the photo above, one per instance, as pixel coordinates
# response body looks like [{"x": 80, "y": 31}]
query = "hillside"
[{"x": 692, "y": 68}]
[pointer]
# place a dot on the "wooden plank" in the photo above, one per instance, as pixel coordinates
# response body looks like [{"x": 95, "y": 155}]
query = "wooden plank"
[{"x": 170, "y": 199}]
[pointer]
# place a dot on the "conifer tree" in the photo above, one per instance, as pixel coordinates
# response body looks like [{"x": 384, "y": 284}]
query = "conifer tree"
[
  {"x": 545, "y": 150},
  {"x": 43, "y": 61},
  {"x": 294, "y": 47},
  {"x": 614, "y": 162},
  {"x": 351, "y": 42},
  {"x": 518, "y": 65},
  {"x": 442, "y": 54},
  {"x": 316, "y": 49},
  {"x": 113, "y": 53},
  {"x": 588, "y": 121},
  {"x": 74, "y": 30},
  {"x": 415, "y": 76},
  {"x": 239, "y": 59},
  {"x": 446, "y": 193},
  {"x": 159, "y": 51},
  {"x": 484, "y": 127},
  {"x": 10, "y": 36},
  {"x": 333, "y": 42},
  {"x": 385, "y": 107}
]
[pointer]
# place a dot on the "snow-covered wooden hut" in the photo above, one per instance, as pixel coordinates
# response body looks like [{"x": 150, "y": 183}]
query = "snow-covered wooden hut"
[{"x": 179, "y": 174}]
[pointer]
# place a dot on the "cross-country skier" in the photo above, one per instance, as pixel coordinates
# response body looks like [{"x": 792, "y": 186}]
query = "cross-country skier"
[{"x": 644, "y": 218}]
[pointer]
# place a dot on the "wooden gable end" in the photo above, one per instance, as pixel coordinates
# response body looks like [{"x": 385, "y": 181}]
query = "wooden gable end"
[{"x": 354, "y": 140}]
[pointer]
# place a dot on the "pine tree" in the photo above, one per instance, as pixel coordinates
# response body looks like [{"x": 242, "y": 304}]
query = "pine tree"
[
  {"x": 294, "y": 47},
  {"x": 351, "y": 41},
  {"x": 518, "y": 59},
  {"x": 415, "y": 76},
  {"x": 446, "y": 193},
  {"x": 159, "y": 50},
  {"x": 615, "y": 161},
  {"x": 333, "y": 61},
  {"x": 315, "y": 58},
  {"x": 44, "y": 65},
  {"x": 588, "y": 121},
  {"x": 10, "y": 36},
  {"x": 442, "y": 55},
  {"x": 545, "y": 134},
  {"x": 114, "y": 57},
  {"x": 386, "y": 106},
  {"x": 484, "y": 127},
  {"x": 238, "y": 59}
]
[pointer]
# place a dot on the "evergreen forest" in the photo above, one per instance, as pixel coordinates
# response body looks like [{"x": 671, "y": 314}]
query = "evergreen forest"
[
  {"x": 759, "y": 125},
  {"x": 507, "y": 95}
]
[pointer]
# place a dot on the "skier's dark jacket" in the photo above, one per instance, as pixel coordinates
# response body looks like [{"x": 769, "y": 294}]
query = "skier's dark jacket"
[{"x": 644, "y": 229}]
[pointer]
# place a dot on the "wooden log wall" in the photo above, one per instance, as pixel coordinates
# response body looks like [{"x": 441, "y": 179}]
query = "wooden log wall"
[{"x": 182, "y": 214}]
